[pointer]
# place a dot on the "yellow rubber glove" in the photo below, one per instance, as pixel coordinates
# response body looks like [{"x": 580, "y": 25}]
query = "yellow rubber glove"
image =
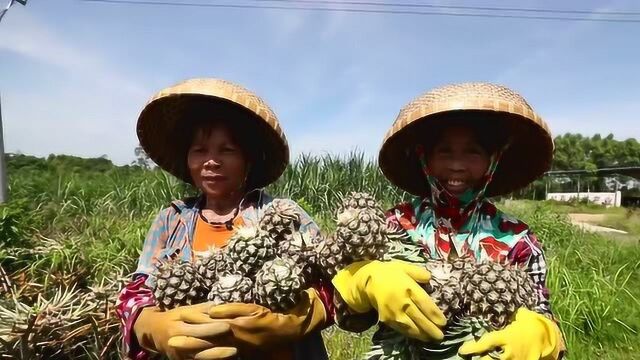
[
  {"x": 392, "y": 289},
  {"x": 186, "y": 332},
  {"x": 255, "y": 326},
  {"x": 530, "y": 336}
]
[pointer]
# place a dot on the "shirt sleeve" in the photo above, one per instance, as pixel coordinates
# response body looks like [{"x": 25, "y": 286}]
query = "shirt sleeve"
[
  {"x": 154, "y": 243},
  {"x": 136, "y": 295},
  {"x": 132, "y": 299},
  {"x": 528, "y": 252}
]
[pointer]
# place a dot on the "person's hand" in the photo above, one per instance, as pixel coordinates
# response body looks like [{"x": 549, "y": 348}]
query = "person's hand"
[
  {"x": 186, "y": 332},
  {"x": 530, "y": 336},
  {"x": 392, "y": 289},
  {"x": 255, "y": 326}
]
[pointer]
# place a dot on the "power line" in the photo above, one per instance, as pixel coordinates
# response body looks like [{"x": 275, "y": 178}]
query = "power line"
[
  {"x": 9, "y": 5},
  {"x": 360, "y": 10},
  {"x": 458, "y": 7}
]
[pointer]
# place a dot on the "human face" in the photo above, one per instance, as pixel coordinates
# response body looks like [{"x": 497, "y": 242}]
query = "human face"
[
  {"x": 458, "y": 161},
  {"x": 217, "y": 164}
]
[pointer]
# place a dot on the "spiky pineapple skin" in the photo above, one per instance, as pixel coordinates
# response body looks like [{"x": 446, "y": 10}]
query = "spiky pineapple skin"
[
  {"x": 280, "y": 219},
  {"x": 231, "y": 288},
  {"x": 209, "y": 268},
  {"x": 491, "y": 293},
  {"x": 176, "y": 283},
  {"x": 298, "y": 247},
  {"x": 475, "y": 297},
  {"x": 279, "y": 284},
  {"x": 362, "y": 234},
  {"x": 328, "y": 257},
  {"x": 445, "y": 286},
  {"x": 359, "y": 201},
  {"x": 249, "y": 248}
]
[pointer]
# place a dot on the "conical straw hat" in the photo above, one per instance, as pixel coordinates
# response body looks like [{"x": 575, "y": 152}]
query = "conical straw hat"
[
  {"x": 166, "y": 114},
  {"x": 527, "y": 158}
]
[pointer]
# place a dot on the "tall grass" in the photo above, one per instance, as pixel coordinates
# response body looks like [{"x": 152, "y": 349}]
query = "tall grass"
[{"x": 76, "y": 228}]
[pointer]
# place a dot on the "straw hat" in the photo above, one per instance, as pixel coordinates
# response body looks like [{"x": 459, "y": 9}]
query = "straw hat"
[
  {"x": 168, "y": 113},
  {"x": 527, "y": 158}
]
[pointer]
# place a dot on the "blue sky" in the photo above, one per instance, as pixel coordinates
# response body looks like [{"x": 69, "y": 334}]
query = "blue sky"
[{"x": 74, "y": 75}]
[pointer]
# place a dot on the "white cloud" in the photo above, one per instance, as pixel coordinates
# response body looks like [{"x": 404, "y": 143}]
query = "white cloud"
[
  {"x": 36, "y": 41},
  {"x": 85, "y": 106},
  {"x": 555, "y": 39}
]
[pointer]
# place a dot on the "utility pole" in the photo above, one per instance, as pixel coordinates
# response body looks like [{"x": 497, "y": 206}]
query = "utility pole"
[
  {"x": 3, "y": 168},
  {"x": 11, "y": 2}
]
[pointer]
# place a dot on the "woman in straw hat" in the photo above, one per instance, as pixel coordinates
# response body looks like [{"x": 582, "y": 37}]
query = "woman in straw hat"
[
  {"x": 227, "y": 142},
  {"x": 454, "y": 147}
]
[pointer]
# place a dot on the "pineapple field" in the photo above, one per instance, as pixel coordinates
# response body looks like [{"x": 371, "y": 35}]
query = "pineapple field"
[{"x": 73, "y": 228}]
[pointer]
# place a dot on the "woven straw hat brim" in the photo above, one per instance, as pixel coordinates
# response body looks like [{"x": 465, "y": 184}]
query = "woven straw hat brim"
[
  {"x": 166, "y": 115},
  {"x": 528, "y": 157}
]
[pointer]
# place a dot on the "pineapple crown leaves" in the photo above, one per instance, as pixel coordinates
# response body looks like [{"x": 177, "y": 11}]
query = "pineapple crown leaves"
[
  {"x": 249, "y": 236},
  {"x": 410, "y": 252},
  {"x": 231, "y": 288},
  {"x": 247, "y": 232},
  {"x": 230, "y": 281},
  {"x": 109, "y": 287},
  {"x": 55, "y": 314},
  {"x": 227, "y": 281}
]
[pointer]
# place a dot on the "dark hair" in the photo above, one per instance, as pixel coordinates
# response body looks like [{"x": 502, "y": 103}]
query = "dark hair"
[
  {"x": 488, "y": 130},
  {"x": 206, "y": 116}
]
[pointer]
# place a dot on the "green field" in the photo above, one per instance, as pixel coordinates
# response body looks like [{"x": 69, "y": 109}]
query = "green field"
[{"x": 74, "y": 224}]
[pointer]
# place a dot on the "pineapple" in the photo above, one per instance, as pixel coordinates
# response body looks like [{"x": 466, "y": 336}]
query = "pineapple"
[
  {"x": 281, "y": 219},
  {"x": 49, "y": 326},
  {"x": 249, "y": 248},
  {"x": 493, "y": 292},
  {"x": 211, "y": 266},
  {"x": 362, "y": 234},
  {"x": 279, "y": 284},
  {"x": 359, "y": 201},
  {"x": 328, "y": 256},
  {"x": 475, "y": 298},
  {"x": 231, "y": 288},
  {"x": 299, "y": 247},
  {"x": 176, "y": 283}
]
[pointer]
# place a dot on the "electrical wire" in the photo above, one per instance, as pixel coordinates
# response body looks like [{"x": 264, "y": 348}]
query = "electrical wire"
[{"x": 361, "y": 11}]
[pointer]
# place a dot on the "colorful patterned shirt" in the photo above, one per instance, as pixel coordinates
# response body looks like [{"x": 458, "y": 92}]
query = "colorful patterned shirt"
[
  {"x": 171, "y": 236},
  {"x": 518, "y": 245}
]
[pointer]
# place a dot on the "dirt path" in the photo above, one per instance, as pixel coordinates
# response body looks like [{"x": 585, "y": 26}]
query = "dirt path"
[{"x": 585, "y": 221}]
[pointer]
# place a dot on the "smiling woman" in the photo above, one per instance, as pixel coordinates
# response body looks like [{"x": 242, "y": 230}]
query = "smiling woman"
[
  {"x": 227, "y": 142},
  {"x": 454, "y": 147},
  {"x": 458, "y": 160}
]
